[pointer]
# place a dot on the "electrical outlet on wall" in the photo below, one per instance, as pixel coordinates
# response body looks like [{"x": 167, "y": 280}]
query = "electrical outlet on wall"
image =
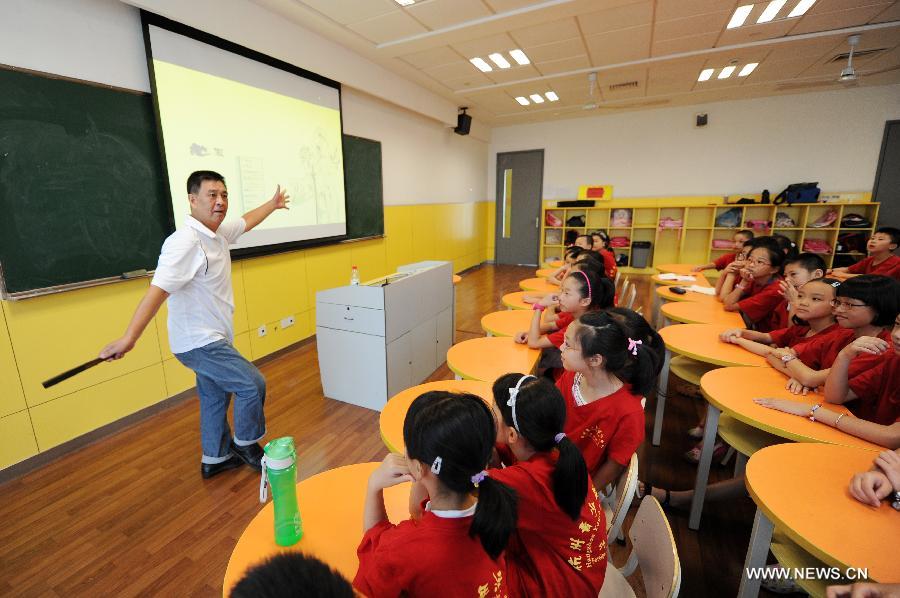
[
  {"x": 262, "y": 330},
  {"x": 287, "y": 322}
]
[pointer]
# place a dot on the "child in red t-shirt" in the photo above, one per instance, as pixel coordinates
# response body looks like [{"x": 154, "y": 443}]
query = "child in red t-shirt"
[
  {"x": 877, "y": 388},
  {"x": 606, "y": 374},
  {"x": 881, "y": 246},
  {"x": 757, "y": 294},
  {"x": 601, "y": 246},
  {"x": 740, "y": 238},
  {"x": 559, "y": 548},
  {"x": 454, "y": 546}
]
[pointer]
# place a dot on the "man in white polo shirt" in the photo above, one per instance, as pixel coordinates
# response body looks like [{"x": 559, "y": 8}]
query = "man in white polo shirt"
[{"x": 194, "y": 273}]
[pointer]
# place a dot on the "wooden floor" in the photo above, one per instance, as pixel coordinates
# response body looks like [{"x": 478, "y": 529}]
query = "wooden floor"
[{"x": 130, "y": 514}]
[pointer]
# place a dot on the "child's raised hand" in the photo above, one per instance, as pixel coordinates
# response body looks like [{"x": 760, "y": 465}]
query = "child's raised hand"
[
  {"x": 863, "y": 590},
  {"x": 731, "y": 335},
  {"x": 521, "y": 337},
  {"x": 392, "y": 471},
  {"x": 870, "y": 487},
  {"x": 866, "y": 344},
  {"x": 549, "y": 300},
  {"x": 785, "y": 405},
  {"x": 746, "y": 274},
  {"x": 696, "y": 268},
  {"x": 788, "y": 291},
  {"x": 889, "y": 463}
]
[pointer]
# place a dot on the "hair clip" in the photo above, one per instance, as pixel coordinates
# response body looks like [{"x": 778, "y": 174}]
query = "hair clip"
[
  {"x": 559, "y": 437},
  {"x": 479, "y": 477},
  {"x": 633, "y": 345},
  {"x": 513, "y": 393},
  {"x": 836, "y": 283},
  {"x": 436, "y": 466}
]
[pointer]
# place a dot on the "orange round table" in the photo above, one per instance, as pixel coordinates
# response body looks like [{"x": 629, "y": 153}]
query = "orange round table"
[
  {"x": 331, "y": 505},
  {"x": 554, "y": 263},
  {"x": 516, "y": 300},
  {"x": 393, "y": 414},
  {"x": 855, "y": 535},
  {"x": 490, "y": 357},
  {"x": 507, "y": 322},
  {"x": 693, "y": 312},
  {"x": 456, "y": 278},
  {"x": 701, "y": 342},
  {"x": 538, "y": 284},
  {"x": 545, "y": 272},
  {"x": 665, "y": 292},
  {"x": 677, "y": 268},
  {"x": 699, "y": 280}
]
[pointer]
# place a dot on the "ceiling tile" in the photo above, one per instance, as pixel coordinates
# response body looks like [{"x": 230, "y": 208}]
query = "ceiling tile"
[
  {"x": 885, "y": 60},
  {"x": 622, "y": 17},
  {"x": 387, "y": 27},
  {"x": 823, "y": 6},
  {"x": 782, "y": 70},
  {"x": 674, "y": 80},
  {"x": 811, "y": 48},
  {"x": 667, "y": 10},
  {"x": 556, "y": 51},
  {"x": 437, "y": 14},
  {"x": 837, "y": 20},
  {"x": 892, "y": 13},
  {"x": 512, "y": 74},
  {"x": 456, "y": 70},
  {"x": 433, "y": 57},
  {"x": 505, "y": 5},
  {"x": 685, "y": 44},
  {"x": 485, "y": 45},
  {"x": 566, "y": 64},
  {"x": 473, "y": 79},
  {"x": 880, "y": 38},
  {"x": 752, "y": 33},
  {"x": 690, "y": 26},
  {"x": 619, "y": 46},
  {"x": 546, "y": 33},
  {"x": 352, "y": 11}
]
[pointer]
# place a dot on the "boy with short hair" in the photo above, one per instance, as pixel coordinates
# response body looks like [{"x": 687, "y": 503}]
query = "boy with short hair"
[
  {"x": 797, "y": 272},
  {"x": 740, "y": 237},
  {"x": 883, "y": 242}
]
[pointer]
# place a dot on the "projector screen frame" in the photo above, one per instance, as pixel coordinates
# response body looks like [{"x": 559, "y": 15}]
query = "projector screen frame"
[{"x": 148, "y": 19}]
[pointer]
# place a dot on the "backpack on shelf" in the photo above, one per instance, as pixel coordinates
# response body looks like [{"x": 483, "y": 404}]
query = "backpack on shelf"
[
  {"x": 575, "y": 221},
  {"x": 798, "y": 193},
  {"x": 730, "y": 218}
]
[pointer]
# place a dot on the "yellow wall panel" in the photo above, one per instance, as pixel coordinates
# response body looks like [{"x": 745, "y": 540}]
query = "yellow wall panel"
[
  {"x": 68, "y": 417},
  {"x": 53, "y": 333},
  {"x": 242, "y": 344},
  {"x": 178, "y": 377},
  {"x": 326, "y": 268},
  {"x": 241, "y": 323},
  {"x": 398, "y": 224},
  {"x": 369, "y": 257},
  {"x": 12, "y": 399},
  {"x": 277, "y": 337},
  {"x": 423, "y": 233},
  {"x": 17, "y": 441},
  {"x": 275, "y": 287}
]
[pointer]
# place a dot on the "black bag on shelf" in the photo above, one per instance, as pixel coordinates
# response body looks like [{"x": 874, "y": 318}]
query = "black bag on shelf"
[
  {"x": 851, "y": 242},
  {"x": 798, "y": 193},
  {"x": 575, "y": 221},
  {"x": 621, "y": 259}
]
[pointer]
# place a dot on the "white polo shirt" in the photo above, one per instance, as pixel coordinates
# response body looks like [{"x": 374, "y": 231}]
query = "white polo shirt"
[{"x": 195, "y": 269}]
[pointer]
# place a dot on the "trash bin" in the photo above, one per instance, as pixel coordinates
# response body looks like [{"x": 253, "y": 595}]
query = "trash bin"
[{"x": 640, "y": 254}]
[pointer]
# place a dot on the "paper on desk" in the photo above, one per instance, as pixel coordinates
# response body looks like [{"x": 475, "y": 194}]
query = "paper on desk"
[
  {"x": 678, "y": 277},
  {"x": 702, "y": 290}
]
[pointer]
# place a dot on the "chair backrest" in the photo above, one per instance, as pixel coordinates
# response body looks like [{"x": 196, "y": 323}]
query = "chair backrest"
[
  {"x": 654, "y": 546},
  {"x": 616, "y": 280},
  {"x": 624, "y": 491},
  {"x": 626, "y": 284},
  {"x": 630, "y": 297}
]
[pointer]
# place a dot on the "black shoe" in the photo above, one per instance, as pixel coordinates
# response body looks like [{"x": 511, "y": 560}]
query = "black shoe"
[
  {"x": 208, "y": 470},
  {"x": 250, "y": 454}
]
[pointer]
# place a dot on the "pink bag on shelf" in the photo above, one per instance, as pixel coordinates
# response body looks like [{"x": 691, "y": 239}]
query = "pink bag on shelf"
[
  {"x": 758, "y": 224},
  {"x": 816, "y": 246},
  {"x": 619, "y": 242},
  {"x": 620, "y": 218},
  {"x": 667, "y": 222},
  {"x": 552, "y": 219},
  {"x": 722, "y": 244}
]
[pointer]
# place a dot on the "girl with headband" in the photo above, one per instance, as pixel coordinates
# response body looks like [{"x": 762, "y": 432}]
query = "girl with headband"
[
  {"x": 582, "y": 290},
  {"x": 559, "y": 548},
  {"x": 454, "y": 544},
  {"x": 606, "y": 374}
]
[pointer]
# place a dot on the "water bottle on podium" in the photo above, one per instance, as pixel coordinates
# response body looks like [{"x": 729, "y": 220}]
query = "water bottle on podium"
[
  {"x": 279, "y": 472},
  {"x": 354, "y": 276}
]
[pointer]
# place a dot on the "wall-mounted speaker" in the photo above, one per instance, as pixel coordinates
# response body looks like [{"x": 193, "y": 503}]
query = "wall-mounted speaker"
[
  {"x": 702, "y": 120},
  {"x": 463, "y": 123}
]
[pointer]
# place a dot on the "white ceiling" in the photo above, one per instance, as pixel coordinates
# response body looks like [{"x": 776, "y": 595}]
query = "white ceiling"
[{"x": 658, "y": 47}]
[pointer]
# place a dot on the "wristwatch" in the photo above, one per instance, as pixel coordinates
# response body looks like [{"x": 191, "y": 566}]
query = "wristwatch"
[{"x": 786, "y": 358}]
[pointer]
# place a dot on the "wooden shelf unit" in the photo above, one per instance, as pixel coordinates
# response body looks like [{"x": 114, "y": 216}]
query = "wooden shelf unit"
[{"x": 692, "y": 243}]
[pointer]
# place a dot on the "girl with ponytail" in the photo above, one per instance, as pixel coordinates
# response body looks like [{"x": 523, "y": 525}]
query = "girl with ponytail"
[
  {"x": 559, "y": 548},
  {"x": 606, "y": 374},
  {"x": 453, "y": 545}
]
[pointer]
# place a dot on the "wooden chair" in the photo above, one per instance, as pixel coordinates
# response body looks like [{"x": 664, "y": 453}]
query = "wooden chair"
[
  {"x": 617, "y": 278},
  {"x": 626, "y": 284},
  {"x": 617, "y": 499},
  {"x": 630, "y": 296},
  {"x": 654, "y": 551}
]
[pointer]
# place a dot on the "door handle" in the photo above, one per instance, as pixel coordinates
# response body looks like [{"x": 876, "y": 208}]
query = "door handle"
[{"x": 537, "y": 222}]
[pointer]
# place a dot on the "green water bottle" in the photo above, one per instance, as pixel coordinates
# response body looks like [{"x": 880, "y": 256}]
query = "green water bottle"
[{"x": 279, "y": 471}]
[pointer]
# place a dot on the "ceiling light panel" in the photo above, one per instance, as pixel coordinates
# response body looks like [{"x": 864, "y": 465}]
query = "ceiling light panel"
[
  {"x": 523, "y": 100},
  {"x": 498, "y": 59},
  {"x": 801, "y": 8},
  {"x": 705, "y": 74},
  {"x": 740, "y": 15},
  {"x": 481, "y": 65},
  {"x": 748, "y": 68},
  {"x": 536, "y": 98},
  {"x": 551, "y": 95},
  {"x": 726, "y": 72},
  {"x": 405, "y": 2},
  {"x": 519, "y": 56},
  {"x": 771, "y": 11}
]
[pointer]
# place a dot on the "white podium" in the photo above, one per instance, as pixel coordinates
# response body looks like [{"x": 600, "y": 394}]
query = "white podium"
[{"x": 377, "y": 339}]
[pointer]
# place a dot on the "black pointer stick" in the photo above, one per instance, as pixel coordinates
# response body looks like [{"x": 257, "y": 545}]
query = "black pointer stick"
[{"x": 68, "y": 374}]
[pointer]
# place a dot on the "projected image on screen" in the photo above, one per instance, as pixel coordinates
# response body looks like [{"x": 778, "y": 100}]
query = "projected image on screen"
[{"x": 256, "y": 125}]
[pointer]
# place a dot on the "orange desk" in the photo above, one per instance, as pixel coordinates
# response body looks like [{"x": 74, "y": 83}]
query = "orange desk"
[
  {"x": 699, "y": 280},
  {"x": 393, "y": 414},
  {"x": 694, "y": 312},
  {"x": 857, "y": 535},
  {"x": 677, "y": 268},
  {"x": 701, "y": 343},
  {"x": 539, "y": 285},
  {"x": 331, "y": 505},
  {"x": 545, "y": 272},
  {"x": 665, "y": 293},
  {"x": 490, "y": 357},
  {"x": 731, "y": 391},
  {"x": 554, "y": 263},
  {"x": 516, "y": 300},
  {"x": 507, "y": 322},
  {"x": 456, "y": 278}
]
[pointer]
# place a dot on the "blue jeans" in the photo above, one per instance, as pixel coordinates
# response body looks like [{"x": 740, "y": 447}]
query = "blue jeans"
[{"x": 221, "y": 371}]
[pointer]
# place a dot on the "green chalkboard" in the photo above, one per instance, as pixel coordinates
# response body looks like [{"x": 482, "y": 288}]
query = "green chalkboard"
[
  {"x": 81, "y": 187},
  {"x": 363, "y": 186}
]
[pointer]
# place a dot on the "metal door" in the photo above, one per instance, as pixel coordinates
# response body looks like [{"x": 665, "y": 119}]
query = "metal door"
[{"x": 520, "y": 181}]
